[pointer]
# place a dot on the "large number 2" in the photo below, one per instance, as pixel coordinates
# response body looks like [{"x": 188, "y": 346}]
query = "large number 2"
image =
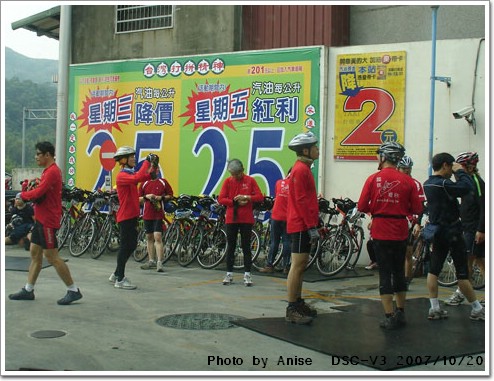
[{"x": 366, "y": 132}]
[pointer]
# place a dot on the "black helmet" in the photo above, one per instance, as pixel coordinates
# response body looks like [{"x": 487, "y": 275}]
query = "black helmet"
[
  {"x": 301, "y": 141},
  {"x": 392, "y": 151},
  {"x": 123, "y": 152}
]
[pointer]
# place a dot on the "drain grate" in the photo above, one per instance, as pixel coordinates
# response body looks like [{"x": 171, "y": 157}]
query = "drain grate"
[
  {"x": 199, "y": 321},
  {"x": 49, "y": 334}
]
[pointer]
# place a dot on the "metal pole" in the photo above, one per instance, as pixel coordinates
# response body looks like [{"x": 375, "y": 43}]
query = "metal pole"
[
  {"x": 433, "y": 86},
  {"x": 23, "y": 154}
]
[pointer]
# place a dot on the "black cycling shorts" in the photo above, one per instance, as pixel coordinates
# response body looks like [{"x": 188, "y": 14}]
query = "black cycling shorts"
[
  {"x": 44, "y": 237},
  {"x": 153, "y": 226},
  {"x": 300, "y": 242}
]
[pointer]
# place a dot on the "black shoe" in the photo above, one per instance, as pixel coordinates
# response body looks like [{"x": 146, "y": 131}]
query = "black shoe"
[
  {"x": 295, "y": 316},
  {"x": 389, "y": 322},
  {"x": 307, "y": 310},
  {"x": 70, "y": 297},
  {"x": 23, "y": 294},
  {"x": 400, "y": 318}
]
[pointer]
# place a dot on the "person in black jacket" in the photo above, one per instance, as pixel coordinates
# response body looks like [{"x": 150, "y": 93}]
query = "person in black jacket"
[
  {"x": 22, "y": 221},
  {"x": 444, "y": 213},
  {"x": 472, "y": 215}
]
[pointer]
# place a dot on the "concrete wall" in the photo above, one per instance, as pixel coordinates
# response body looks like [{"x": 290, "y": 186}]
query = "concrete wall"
[
  {"x": 456, "y": 59},
  {"x": 197, "y": 30},
  {"x": 381, "y": 24}
]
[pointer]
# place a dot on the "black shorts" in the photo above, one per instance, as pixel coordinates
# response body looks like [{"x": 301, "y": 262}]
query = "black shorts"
[
  {"x": 44, "y": 237},
  {"x": 153, "y": 226},
  {"x": 300, "y": 242},
  {"x": 477, "y": 250}
]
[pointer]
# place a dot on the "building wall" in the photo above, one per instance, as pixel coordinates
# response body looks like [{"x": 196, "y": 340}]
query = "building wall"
[
  {"x": 197, "y": 30},
  {"x": 383, "y": 24}
]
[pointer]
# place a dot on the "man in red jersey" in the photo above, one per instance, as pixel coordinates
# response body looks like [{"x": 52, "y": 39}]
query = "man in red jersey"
[
  {"x": 390, "y": 196},
  {"x": 154, "y": 194},
  {"x": 301, "y": 224},
  {"x": 47, "y": 199},
  {"x": 238, "y": 193},
  {"x": 129, "y": 209}
]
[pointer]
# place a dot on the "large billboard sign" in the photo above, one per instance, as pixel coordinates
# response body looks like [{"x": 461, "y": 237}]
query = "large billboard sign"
[
  {"x": 369, "y": 103},
  {"x": 196, "y": 113}
]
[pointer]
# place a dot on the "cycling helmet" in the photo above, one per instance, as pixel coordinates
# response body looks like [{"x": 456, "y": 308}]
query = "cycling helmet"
[
  {"x": 301, "y": 141},
  {"x": 392, "y": 151},
  {"x": 405, "y": 162},
  {"x": 466, "y": 158},
  {"x": 123, "y": 151}
]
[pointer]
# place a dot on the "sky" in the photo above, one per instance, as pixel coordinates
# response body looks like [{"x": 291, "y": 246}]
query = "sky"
[{"x": 22, "y": 40}]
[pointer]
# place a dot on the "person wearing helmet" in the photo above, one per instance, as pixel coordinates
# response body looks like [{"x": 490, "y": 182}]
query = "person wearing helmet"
[
  {"x": 47, "y": 216},
  {"x": 472, "y": 216},
  {"x": 302, "y": 221},
  {"x": 129, "y": 210},
  {"x": 405, "y": 166},
  {"x": 444, "y": 219},
  {"x": 390, "y": 196},
  {"x": 238, "y": 193}
]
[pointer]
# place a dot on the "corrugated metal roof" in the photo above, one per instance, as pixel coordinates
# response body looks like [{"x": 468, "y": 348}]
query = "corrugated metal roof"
[{"x": 46, "y": 23}]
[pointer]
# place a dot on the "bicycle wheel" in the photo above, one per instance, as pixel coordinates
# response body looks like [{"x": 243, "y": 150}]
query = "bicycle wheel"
[
  {"x": 64, "y": 231},
  {"x": 418, "y": 255},
  {"x": 262, "y": 258},
  {"x": 114, "y": 243},
  {"x": 214, "y": 252},
  {"x": 141, "y": 251},
  {"x": 314, "y": 253},
  {"x": 447, "y": 276},
  {"x": 238, "y": 262},
  {"x": 170, "y": 240},
  {"x": 82, "y": 236},
  {"x": 190, "y": 244},
  {"x": 357, "y": 242},
  {"x": 101, "y": 240},
  {"x": 478, "y": 279},
  {"x": 335, "y": 253}
]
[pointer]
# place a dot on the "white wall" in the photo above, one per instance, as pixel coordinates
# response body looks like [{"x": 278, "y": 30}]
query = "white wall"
[{"x": 454, "y": 58}]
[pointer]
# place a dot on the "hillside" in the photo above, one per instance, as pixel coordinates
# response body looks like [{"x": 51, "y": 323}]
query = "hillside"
[{"x": 29, "y": 69}]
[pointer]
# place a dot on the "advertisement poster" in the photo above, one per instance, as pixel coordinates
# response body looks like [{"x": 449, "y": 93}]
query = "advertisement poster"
[
  {"x": 369, "y": 104},
  {"x": 196, "y": 113}
]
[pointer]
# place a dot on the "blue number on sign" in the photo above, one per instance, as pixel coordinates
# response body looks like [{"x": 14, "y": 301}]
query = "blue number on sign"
[
  {"x": 147, "y": 141},
  {"x": 266, "y": 140},
  {"x": 97, "y": 140},
  {"x": 215, "y": 140}
]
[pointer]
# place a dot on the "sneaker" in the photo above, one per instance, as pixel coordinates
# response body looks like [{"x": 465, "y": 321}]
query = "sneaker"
[
  {"x": 479, "y": 315},
  {"x": 228, "y": 280},
  {"x": 149, "y": 265},
  {"x": 400, "y": 318},
  {"x": 455, "y": 300},
  {"x": 247, "y": 280},
  {"x": 389, "y": 322},
  {"x": 112, "y": 278},
  {"x": 437, "y": 314},
  {"x": 295, "y": 316},
  {"x": 23, "y": 294},
  {"x": 307, "y": 310},
  {"x": 371, "y": 266},
  {"x": 159, "y": 267},
  {"x": 125, "y": 284},
  {"x": 482, "y": 302},
  {"x": 267, "y": 269},
  {"x": 70, "y": 297}
]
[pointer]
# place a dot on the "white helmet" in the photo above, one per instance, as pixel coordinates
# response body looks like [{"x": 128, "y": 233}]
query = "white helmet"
[
  {"x": 301, "y": 141},
  {"x": 123, "y": 152}
]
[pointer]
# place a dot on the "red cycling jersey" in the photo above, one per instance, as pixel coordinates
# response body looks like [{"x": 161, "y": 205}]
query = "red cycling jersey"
[
  {"x": 158, "y": 187},
  {"x": 278, "y": 212},
  {"x": 128, "y": 196},
  {"x": 48, "y": 210},
  {"x": 233, "y": 187},
  {"x": 390, "y": 196},
  {"x": 303, "y": 208}
]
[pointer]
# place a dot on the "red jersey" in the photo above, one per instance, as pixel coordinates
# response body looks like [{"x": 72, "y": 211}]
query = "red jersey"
[
  {"x": 233, "y": 187},
  {"x": 282, "y": 188},
  {"x": 48, "y": 211},
  {"x": 128, "y": 196},
  {"x": 390, "y": 196},
  {"x": 158, "y": 187},
  {"x": 302, "y": 208}
]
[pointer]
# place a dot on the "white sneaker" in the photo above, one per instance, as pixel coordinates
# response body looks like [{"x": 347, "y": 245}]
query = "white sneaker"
[
  {"x": 159, "y": 267},
  {"x": 112, "y": 278},
  {"x": 455, "y": 300},
  {"x": 125, "y": 284},
  {"x": 247, "y": 280},
  {"x": 228, "y": 280}
]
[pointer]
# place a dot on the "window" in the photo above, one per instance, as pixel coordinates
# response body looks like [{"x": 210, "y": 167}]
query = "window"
[{"x": 134, "y": 18}]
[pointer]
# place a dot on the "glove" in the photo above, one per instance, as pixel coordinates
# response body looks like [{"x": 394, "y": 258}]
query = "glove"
[
  {"x": 155, "y": 160},
  {"x": 150, "y": 157},
  {"x": 313, "y": 235}
]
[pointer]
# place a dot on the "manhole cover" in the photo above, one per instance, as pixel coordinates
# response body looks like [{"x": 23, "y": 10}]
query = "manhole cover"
[
  {"x": 48, "y": 334},
  {"x": 198, "y": 321}
]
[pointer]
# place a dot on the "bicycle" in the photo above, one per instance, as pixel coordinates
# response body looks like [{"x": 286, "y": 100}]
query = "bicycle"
[
  {"x": 214, "y": 242},
  {"x": 107, "y": 227},
  {"x": 71, "y": 212}
]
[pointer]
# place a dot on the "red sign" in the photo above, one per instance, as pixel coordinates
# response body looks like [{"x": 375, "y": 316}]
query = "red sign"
[{"x": 106, "y": 153}]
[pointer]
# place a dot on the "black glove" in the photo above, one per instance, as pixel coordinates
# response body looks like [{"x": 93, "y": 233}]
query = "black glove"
[
  {"x": 313, "y": 235},
  {"x": 155, "y": 160},
  {"x": 150, "y": 157}
]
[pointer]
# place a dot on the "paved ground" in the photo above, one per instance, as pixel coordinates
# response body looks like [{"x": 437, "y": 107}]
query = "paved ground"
[{"x": 111, "y": 330}]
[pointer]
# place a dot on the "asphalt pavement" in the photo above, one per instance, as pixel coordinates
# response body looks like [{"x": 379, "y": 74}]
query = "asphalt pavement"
[{"x": 112, "y": 331}]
